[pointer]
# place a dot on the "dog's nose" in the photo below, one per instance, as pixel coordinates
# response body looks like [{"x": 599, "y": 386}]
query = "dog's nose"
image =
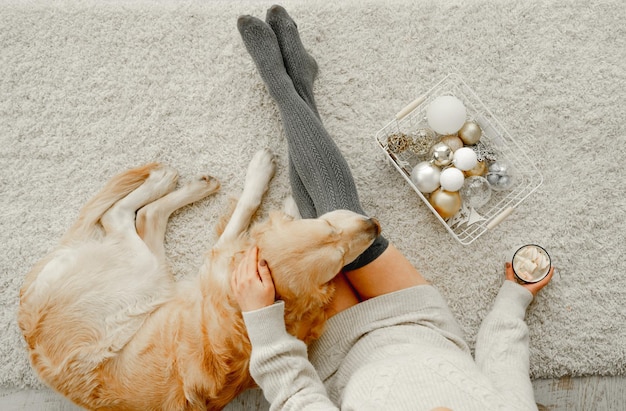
[{"x": 375, "y": 226}]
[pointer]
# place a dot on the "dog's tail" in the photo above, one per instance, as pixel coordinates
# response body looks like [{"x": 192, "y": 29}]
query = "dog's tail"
[{"x": 117, "y": 188}]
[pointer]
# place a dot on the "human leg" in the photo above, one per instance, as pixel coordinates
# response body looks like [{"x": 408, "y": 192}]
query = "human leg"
[
  {"x": 345, "y": 296},
  {"x": 299, "y": 64},
  {"x": 316, "y": 159},
  {"x": 390, "y": 272},
  {"x": 302, "y": 69},
  {"x": 383, "y": 269}
]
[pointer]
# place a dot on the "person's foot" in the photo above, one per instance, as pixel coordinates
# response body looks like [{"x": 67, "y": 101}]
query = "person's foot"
[
  {"x": 300, "y": 65},
  {"x": 261, "y": 43}
]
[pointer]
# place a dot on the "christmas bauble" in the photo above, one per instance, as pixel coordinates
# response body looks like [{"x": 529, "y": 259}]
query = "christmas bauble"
[
  {"x": 501, "y": 183},
  {"x": 446, "y": 114},
  {"x": 451, "y": 179},
  {"x": 499, "y": 167},
  {"x": 476, "y": 191},
  {"x": 470, "y": 133},
  {"x": 441, "y": 154},
  {"x": 499, "y": 176},
  {"x": 465, "y": 159},
  {"x": 452, "y": 141},
  {"x": 446, "y": 203},
  {"x": 425, "y": 176},
  {"x": 479, "y": 170},
  {"x": 423, "y": 140}
]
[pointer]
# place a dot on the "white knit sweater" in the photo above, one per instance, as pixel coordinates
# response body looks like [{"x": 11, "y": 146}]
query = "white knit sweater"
[{"x": 400, "y": 351}]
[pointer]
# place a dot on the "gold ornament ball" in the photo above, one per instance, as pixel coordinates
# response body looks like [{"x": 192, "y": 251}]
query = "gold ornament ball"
[
  {"x": 452, "y": 141},
  {"x": 479, "y": 170},
  {"x": 470, "y": 133},
  {"x": 446, "y": 203}
]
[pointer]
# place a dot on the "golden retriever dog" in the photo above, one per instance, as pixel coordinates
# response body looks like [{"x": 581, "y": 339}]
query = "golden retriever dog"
[{"x": 107, "y": 326}]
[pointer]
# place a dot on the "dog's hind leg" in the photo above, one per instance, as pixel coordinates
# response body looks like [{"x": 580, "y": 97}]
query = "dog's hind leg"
[
  {"x": 118, "y": 187},
  {"x": 120, "y": 218},
  {"x": 152, "y": 219},
  {"x": 260, "y": 172}
]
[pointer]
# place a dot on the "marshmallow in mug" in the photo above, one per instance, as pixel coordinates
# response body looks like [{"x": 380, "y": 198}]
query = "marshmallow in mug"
[{"x": 531, "y": 263}]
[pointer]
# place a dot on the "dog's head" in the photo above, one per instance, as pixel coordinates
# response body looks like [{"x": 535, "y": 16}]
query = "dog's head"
[{"x": 306, "y": 253}]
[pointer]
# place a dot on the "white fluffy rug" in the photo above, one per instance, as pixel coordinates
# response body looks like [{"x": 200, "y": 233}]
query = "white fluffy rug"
[{"x": 88, "y": 89}]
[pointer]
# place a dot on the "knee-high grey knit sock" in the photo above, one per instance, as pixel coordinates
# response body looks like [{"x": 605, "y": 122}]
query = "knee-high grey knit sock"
[
  {"x": 300, "y": 65},
  {"x": 322, "y": 169},
  {"x": 300, "y": 195},
  {"x": 302, "y": 69}
]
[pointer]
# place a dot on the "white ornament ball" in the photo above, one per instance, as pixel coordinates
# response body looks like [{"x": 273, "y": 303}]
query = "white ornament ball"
[
  {"x": 446, "y": 114},
  {"x": 426, "y": 176},
  {"x": 465, "y": 159},
  {"x": 451, "y": 179}
]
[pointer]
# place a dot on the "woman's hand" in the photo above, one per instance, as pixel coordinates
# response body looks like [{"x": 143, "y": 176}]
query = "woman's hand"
[
  {"x": 534, "y": 287},
  {"x": 252, "y": 282}
]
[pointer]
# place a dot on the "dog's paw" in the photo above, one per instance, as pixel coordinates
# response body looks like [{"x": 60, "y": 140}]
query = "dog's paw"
[
  {"x": 261, "y": 168},
  {"x": 163, "y": 178},
  {"x": 291, "y": 208},
  {"x": 204, "y": 184}
]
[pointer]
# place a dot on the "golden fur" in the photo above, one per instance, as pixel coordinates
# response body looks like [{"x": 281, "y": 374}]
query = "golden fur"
[{"x": 108, "y": 327}]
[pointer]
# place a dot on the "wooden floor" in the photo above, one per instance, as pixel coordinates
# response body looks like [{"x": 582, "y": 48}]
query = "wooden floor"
[{"x": 565, "y": 394}]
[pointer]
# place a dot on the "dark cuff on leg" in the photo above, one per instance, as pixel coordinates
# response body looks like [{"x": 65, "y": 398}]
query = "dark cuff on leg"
[{"x": 373, "y": 252}]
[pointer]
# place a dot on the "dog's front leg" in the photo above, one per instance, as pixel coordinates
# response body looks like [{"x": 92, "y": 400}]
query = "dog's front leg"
[{"x": 260, "y": 172}]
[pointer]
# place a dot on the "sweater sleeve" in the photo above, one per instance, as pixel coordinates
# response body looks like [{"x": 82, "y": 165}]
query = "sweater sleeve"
[
  {"x": 279, "y": 363},
  {"x": 502, "y": 350}
]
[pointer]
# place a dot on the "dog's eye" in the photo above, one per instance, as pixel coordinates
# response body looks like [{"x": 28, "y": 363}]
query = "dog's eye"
[{"x": 334, "y": 231}]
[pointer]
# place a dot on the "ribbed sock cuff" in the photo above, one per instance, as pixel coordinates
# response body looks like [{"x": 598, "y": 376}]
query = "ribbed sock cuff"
[{"x": 373, "y": 252}]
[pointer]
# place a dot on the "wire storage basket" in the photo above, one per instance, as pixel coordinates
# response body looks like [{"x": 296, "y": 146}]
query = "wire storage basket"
[{"x": 407, "y": 138}]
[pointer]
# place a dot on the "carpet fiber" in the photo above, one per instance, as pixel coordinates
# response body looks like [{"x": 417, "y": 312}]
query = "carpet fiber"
[{"x": 88, "y": 89}]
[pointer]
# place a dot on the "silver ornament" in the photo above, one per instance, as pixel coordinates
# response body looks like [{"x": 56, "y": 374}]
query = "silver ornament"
[
  {"x": 442, "y": 154},
  {"x": 492, "y": 178},
  {"x": 425, "y": 176},
  {"x": 499, "y": 176},
  {"x": 499, "y": 168},
  {"x": 504, "y": 183}
]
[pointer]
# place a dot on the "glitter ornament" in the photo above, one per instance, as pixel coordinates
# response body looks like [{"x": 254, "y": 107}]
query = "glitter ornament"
[
  {"x": 451, "y": 179},
  {"x": 452, "y": 141},
  {"x": 423, "y": 140},
  {"x": 465, "y": 159},
  {"x": 446, "y": 203},
  {"x": 484, "y": 153},
  {"x": 441, "y": 154},
  {"x": 397, "y": 143},
  {"x": 424, "y": 133},
  {"x": 446, "y": 114},
  {"x": 476, "y": 191},
  {"x": 470, "y": 133},
  {"x": 426, "y": 176}
]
